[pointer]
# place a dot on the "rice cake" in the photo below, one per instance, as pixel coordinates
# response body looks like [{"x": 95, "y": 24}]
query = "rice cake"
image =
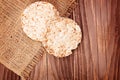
[
  {"x": 35, "y": 18},
  {"x": 63, "y": 35}
]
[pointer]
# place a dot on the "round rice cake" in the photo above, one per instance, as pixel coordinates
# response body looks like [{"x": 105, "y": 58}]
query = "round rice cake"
[
  {"x": 35, "y": 17},
  {"x": 63, "y": 35}
]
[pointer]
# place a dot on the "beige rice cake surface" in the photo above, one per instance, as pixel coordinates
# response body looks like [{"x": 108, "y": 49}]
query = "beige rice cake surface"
[
  {"x": 63, "y": 35},
  {"x": 34, "y": 19}
]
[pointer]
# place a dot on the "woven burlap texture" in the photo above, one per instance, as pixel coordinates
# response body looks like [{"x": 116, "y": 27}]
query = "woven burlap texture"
[{"x": 18, "y": 52}]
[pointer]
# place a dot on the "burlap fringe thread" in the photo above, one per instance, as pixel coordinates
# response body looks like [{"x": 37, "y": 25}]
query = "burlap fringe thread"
[{"x": 26, "y": 73}]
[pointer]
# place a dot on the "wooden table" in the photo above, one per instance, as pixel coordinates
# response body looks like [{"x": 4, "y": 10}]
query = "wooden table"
[{"x": 98, "y": 55}]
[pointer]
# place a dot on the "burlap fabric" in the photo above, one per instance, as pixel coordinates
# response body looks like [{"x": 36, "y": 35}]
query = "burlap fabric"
[{"x": 18, "y": 52}]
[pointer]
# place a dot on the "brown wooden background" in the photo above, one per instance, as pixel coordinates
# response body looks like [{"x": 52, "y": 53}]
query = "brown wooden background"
[{"x": 98, "y": 55}]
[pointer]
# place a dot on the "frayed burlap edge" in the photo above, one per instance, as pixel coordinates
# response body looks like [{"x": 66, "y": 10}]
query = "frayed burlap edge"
[
  {"x": 30, "y": 67},
  {"x": 67, "y": 10},
  {"x": 70, "y": 9}
]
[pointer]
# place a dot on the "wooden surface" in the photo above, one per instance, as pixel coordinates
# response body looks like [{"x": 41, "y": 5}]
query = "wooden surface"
[{"x": 98, "y": 55}]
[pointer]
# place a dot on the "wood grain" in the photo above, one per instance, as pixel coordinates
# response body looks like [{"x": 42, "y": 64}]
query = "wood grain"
[{"x": 98, "y": 55}]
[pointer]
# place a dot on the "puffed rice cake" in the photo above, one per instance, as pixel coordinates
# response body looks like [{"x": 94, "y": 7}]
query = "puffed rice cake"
[
  {"x": 34, "y": 19},
  {"x": 63, "y": 35}
]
